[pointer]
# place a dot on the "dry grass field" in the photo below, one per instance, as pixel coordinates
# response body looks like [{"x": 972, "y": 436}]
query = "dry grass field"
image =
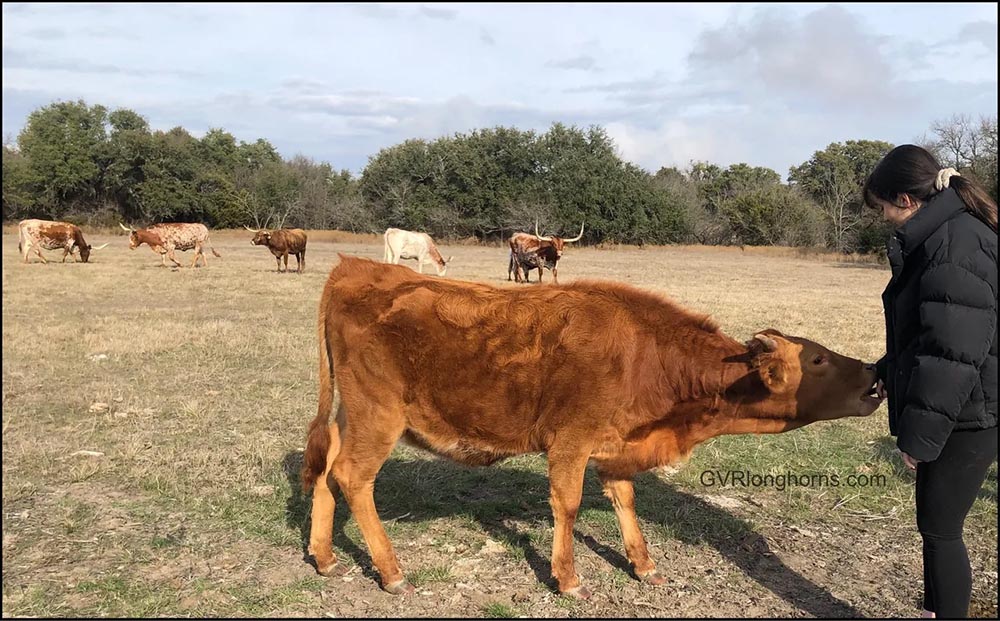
[{"x": 154, "y": 419}]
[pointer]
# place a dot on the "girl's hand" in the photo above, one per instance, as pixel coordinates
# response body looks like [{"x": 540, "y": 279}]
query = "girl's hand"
[{"x": 910, "y": 462}]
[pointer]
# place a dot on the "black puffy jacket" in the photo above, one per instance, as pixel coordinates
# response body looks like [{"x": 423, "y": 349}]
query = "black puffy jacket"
[{"x": 940, "y": 367}]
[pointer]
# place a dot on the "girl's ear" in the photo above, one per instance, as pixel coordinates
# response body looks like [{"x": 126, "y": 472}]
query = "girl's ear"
[{"x": 907, "y": 201}]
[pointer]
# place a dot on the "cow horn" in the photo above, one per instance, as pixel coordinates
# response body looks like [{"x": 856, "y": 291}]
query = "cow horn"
[
  {"x": 540, "y": 237},
  {"x": 101, "y": 247},
  {"x": 761, "y": 343},
  {"x": 577, "y": 238},
  {"x": 125, "y": 228}
]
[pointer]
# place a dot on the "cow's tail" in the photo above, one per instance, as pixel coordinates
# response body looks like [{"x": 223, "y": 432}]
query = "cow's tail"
[
  {"x": 208, "y": 242},
  {"x": 321, "y": 432}
]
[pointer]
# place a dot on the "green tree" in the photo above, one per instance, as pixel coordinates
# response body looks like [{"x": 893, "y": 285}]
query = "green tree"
[
  {"x": 18, "y": 199},
  {"x": 123, "y": 159},
  {"x": 833, "y": 178},
  {"x": 218, "y": 149},
  {"x": 749, "y": 199},
  {"x": 167, "y": 192},
  {"x": 681, "y": 191},
  {"x": 61, "y": 143}
]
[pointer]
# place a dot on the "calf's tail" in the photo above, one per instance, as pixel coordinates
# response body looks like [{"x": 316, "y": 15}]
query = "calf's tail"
[{"x": 321, "y": 434}]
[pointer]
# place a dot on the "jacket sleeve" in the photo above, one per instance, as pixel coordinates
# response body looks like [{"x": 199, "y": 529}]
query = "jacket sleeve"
[
  {"x": 881, "y": 368},
  {"x": 957, "y": 321}
]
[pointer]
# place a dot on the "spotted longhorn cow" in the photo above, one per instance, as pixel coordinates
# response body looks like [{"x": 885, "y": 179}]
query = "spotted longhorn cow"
[
  {"x": 164, "y": 238},
  {"x": 52, "y": 235}
]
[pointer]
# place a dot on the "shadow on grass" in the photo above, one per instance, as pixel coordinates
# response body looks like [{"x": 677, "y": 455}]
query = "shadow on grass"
[{"x": 424, "y": 490}]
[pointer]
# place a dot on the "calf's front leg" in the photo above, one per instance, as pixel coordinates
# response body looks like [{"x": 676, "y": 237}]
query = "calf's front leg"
[{"x": 566, "y": 470}]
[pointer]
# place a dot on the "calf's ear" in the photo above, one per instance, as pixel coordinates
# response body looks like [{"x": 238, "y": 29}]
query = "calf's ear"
[
  {"x": 774, "y": 373},
  {"x": 765, "y": 356}
]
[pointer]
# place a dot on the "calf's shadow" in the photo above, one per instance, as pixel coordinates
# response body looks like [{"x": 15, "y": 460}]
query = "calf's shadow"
[{"x": 420, "y": 490}]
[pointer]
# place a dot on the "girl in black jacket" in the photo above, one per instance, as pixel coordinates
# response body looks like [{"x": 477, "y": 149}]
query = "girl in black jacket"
[{"x": 940, "y": 368}]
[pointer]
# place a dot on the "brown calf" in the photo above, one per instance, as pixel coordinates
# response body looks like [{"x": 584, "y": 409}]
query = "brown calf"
[{"x": 589, "y": 372}]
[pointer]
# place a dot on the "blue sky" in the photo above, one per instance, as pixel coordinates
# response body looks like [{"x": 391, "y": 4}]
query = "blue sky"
[{"x": 756, "y": 83}]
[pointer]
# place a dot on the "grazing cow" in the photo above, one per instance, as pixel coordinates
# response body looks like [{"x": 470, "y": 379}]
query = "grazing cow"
[
  {"x": 529, "y": 251},
  {"x": 167, "y": 237},
  {"x": 593, "y": 371},
  {"x": 52, "y": 236},
  {"x": 281, "y": 243},
  {"x": 400, "y": 244}
]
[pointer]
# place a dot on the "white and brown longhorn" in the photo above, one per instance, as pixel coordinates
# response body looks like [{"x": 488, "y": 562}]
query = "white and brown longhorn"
[
  {"x": 51, "y": 235},
  {"x": 165, "y": 238}
]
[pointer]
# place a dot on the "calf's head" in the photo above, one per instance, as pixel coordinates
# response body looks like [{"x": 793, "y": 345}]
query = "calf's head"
[{"x": 814, "y": 382}]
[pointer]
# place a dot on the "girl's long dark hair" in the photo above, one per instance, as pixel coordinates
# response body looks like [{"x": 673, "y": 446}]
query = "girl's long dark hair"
[{"x": 909, "y": 169}]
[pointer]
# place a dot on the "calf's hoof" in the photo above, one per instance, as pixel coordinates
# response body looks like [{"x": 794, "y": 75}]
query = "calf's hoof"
[
  {"x": 400, "y": 587},
  {"x": 654, "y": 578},
  {"x": 330, "y": 568},
  {"x": 580, "y": 592}
]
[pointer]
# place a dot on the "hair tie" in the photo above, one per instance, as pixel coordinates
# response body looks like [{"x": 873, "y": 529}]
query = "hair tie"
[{"x": 941, "y": 182}]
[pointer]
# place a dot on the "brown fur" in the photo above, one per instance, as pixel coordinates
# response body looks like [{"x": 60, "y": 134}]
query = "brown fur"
[
  {"x": 283, "y": 242},
  {"x": 605, "y": 373}
]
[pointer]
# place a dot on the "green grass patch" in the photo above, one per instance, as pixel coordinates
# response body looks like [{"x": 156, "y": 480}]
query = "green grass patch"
[
  {"x": 427, "y": 575},
  {"x": 499, "y": 610}
]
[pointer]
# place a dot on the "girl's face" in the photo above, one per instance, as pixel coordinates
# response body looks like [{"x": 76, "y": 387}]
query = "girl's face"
[{"x": 898, "y": 214}]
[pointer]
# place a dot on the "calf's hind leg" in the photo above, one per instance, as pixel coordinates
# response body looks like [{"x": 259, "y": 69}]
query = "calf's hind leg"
[
  {"x": 622, "y": 495},
  {"x": 364, "y": 448},
  {"x": 323, "y": 506}
]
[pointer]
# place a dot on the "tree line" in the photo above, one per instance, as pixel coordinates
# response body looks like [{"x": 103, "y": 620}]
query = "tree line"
[{"x": 86, "y": 164}]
